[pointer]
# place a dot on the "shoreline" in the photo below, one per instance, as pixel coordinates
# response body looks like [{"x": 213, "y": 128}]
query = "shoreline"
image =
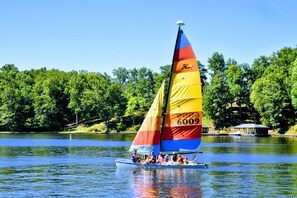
[
  {"x": 92, "y": 133},
  {"x": 63, "y": 132}
]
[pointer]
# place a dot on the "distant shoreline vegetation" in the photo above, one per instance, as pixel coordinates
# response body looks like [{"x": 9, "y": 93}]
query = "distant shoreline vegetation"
[{"x": 52, "y": 100}]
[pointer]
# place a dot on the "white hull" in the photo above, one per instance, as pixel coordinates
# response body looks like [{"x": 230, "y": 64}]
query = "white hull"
[
  {"x": 127, "y": 163},
  {"x": 235, "y": 134}
]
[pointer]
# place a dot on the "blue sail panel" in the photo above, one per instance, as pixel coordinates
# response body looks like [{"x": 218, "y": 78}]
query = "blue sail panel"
[
  {"x": 182, "y": 41},
  {"x": 180, "y": 145}
]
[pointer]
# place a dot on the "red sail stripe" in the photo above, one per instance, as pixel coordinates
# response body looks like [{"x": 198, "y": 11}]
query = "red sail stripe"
[
  {"x": 182, "y": 132},
  {"x": 184, "y": 53}
]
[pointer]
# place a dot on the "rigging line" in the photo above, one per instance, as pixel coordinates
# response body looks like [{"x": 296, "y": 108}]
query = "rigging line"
[{"x": 168, "y": 87}]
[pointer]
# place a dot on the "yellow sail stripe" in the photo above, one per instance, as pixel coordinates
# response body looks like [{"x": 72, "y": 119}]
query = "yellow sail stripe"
[
  {"x": 149, "y": 132},
  {"x": 151, "y": 124},
  {"x": 156, "y": 107},
  {"x": 185, "y": 105},
  {"x": 189, "y": 78},
  {"x": 185, "y": 94},
  {"x": 152, "y": 121}
]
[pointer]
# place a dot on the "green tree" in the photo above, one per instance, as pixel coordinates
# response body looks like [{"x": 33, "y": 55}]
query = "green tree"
[
  {"x": 15, "y": 101},
  {"x": 75, "y": 89},
  {"x": 121, "y": 75},
  {"x": 140, "y": 91},
  {"x": 50, "y": 100},
  {"x": 92, "y": 96},
  {"x": 252, "y": 74},
  {"x": 163, "y": 75},
  {"x": 113, "y": 105},
  {"x": 268, "y": 97},
  {"x": 215, "y": 102},
  {"x": 203, "y": 72},
  {"x": 216, "y": 64},
  {"x": 294, "y": 86},
  {"x": 237, "y": 78},
  {"x": 102, "y": 98},
  {"x": 258, "y": 68},
  {"x": 271, "y": 94},
  {"x": 216, "y": 96}
]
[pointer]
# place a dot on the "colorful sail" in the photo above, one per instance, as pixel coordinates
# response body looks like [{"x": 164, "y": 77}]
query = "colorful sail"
[
  {"x": 183, "y": 117},
  {"x": 148, "y": 136}
]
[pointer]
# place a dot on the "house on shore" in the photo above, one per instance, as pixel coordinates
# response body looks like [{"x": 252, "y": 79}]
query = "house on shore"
[
  {"x": 205, "y": 129},
  {"x": 253, "y": 129}
]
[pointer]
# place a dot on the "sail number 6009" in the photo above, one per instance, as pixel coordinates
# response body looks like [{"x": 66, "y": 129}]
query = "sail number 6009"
[{"x": 188, "y": 121}]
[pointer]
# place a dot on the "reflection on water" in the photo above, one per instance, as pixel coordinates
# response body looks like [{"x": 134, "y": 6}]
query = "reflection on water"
[
  {"x": 166, "y": 182},
  {"x": 54, "y": 165}
]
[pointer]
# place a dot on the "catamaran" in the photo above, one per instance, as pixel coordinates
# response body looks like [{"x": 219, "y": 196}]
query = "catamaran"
[{"x": 178, "y": 128}]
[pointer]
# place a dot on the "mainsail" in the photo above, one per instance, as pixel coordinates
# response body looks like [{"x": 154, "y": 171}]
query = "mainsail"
[
  {"x": 182, "y": 118},
  {"x": 182, "y": 123},
  {"x": 148, "y": 136}
]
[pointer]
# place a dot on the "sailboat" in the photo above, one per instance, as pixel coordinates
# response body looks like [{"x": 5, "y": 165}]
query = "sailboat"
[{"x": 176, "y": 127}]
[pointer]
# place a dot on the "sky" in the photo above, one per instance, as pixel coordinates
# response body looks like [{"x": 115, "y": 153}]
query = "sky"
[{"x": 103, "y": 35}]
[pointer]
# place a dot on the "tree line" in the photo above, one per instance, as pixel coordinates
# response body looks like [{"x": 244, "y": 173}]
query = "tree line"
[
  {"x": 50, "y": 100},
  {"x": 264, "y": 92}
]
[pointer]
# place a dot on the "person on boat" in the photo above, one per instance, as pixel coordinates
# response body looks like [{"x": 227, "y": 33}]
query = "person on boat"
[
  {"x": 166, "y": 159},
  {"x": 186, "y": 161},
  {"x": 152, "y": 159},
  {"x": 145, "y": 158},
  {"x": 134, "y": 157},
  {"x": 173, "y": 158},
  {"x": 180, "y": 159},
  {"x": 160, "y": 158}
]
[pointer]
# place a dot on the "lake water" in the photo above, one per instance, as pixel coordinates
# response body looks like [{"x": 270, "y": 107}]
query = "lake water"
[{"x": 47, "y": 165}]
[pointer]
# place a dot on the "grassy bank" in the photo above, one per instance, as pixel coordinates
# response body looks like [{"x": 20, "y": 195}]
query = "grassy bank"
[{"x": 98, "y": 128}]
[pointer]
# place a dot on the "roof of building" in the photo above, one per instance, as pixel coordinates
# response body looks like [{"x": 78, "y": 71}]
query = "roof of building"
[{"x": 251, "y": 125}]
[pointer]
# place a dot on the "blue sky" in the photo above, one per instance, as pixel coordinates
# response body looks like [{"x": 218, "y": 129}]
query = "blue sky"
[{"x": 99, "y": 36}]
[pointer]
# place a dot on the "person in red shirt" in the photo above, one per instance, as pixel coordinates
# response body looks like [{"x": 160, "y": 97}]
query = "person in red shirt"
[
  {"x": 180, "y": 159},
  {"x": 152, "y": 158}
]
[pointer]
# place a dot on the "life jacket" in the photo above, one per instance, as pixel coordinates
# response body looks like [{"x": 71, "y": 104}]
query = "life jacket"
[
  {"x": 174, "y": 158},
  {"x": 161, "y": 159},
  {"x": 181, "y": 161},
  {"x": 133, "y": 158},
  {"x": 154, "y": 159}
]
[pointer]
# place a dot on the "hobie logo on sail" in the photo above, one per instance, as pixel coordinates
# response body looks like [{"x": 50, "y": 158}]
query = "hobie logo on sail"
[{"x": 188, "y": 66}]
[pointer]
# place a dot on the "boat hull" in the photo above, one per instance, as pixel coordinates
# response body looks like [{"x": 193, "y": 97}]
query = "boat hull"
[{"x": 125, "y": 163}]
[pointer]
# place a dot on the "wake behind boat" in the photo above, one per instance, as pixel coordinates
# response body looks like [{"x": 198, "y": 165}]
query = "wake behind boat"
[{"x": 178, "y": 128}]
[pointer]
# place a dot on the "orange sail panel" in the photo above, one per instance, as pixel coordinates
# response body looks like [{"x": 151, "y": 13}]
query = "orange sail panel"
[
  {"x": 148, "y": 136},
  {"x": 183, "y": 117}
]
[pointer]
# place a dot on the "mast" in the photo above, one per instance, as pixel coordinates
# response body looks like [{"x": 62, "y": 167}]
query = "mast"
[{"x": 179, "y": 23}]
